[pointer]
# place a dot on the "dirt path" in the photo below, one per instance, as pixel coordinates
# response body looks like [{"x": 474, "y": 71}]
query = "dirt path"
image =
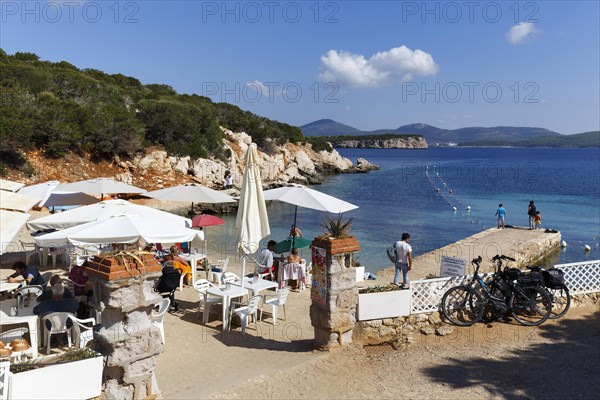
[{"x": 559, "y": 360}]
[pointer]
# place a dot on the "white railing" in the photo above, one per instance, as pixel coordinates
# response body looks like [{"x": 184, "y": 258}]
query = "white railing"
[{"x": 580, "y": 278}]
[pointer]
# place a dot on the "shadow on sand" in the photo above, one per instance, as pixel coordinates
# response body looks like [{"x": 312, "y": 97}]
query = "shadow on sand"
[{"x": 567, "y": 368}]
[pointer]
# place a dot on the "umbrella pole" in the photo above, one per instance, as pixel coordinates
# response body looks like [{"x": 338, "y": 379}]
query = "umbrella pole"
[
  {"x": 243, "y": 269},
  {"x": 294, "y": 232}
]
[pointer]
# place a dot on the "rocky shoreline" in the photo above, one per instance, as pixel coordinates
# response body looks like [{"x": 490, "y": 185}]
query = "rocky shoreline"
[{"x": 407, "y": 142}]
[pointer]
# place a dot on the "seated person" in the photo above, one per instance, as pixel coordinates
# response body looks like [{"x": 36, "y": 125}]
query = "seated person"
[
  {"x": 47, "y": 294},
  {"x": 28, "y": 273},
  {"x": 294, "y": 257},
  {"x": 78, "y": 275},
  {"x": 179, "y": 263},
  {"x": 57, "y": 303}
]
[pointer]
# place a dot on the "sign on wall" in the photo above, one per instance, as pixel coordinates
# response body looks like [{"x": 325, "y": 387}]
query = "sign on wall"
[
  {"x": 318, "y": 290},
  {"x": 451, "y": 266}
]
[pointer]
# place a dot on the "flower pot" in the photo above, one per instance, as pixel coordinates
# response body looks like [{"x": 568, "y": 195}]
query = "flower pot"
[{"x": 337, "y": 246}]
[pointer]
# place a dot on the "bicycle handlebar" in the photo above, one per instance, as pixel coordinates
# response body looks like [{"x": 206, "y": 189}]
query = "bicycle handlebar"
[
  {"x": 499, "y": 257},
  {"x": 476, "y": 260}
]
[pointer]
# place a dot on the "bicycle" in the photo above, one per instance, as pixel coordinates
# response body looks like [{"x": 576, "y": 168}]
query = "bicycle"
[
  {"x": 464, "y": 305},
  {"x": 558, "y": 291}
]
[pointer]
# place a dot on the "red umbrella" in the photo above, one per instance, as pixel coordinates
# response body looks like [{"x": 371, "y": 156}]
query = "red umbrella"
[{"x": 206, "y": 220}]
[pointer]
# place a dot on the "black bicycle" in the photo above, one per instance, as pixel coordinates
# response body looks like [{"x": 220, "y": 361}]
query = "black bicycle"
[
  {"x": 465, "y": 304},
  {"x": 554, "y": 282}
]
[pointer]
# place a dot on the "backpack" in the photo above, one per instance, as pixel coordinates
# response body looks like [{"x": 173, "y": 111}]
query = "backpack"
[
  {"x": 391, "y": 253},
  {"x": 554, "y": 278},
  {"x": 169, "y": 281}
]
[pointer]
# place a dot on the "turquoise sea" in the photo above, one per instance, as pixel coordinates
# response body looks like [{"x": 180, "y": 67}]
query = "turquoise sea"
[{"x": 564, "y": 183}]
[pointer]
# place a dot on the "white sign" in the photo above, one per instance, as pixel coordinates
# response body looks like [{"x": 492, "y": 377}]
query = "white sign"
[{"x": 451, "y": 266}]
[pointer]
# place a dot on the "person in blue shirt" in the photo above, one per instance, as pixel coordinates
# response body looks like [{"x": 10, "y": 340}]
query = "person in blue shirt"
[
  {"x": 24, "y": 272},
  {"x": 501, "y": 213},
  {"x": 58, "y": 303}
]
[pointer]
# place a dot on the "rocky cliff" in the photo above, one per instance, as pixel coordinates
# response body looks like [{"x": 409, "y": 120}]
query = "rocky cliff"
[
  {"x": 408, "y": 142},
  {"x": 156, "y": 169}
]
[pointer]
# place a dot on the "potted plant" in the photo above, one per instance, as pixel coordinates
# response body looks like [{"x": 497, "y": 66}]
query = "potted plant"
[
  {"x": 336, "y": 236},
  {"x": 83, "y": 367}
]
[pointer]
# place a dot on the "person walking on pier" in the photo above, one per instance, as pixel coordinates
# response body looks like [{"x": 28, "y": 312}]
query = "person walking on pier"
[
  {"x": 403, "y": 260},
  {"x": 531, "y": 211},
  {"x": 501, "y": 213}
]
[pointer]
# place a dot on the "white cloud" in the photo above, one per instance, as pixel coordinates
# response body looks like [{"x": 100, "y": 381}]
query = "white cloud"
[
  {"x": 398, "y": 64},
  {"x": 521, "y": 32}
]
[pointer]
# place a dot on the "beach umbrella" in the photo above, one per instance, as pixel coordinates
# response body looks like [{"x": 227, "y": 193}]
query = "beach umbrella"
[
  {"x": 99, "y": 186},
  {"x": 10, "y": 186},
  {"x": 252, "y": 219},
  {"x": 10, "y": 225},
  {"x": 286, "y": 245},
  {"x": 205, "y": 220},
  {"x": 104, "y": 210},
  {"x": 54, "y": 198},
  {"x": 124, "y": 228},
  {"x": 191, "y": 193},
  {"x": 16, "y": 201},
  {"x": 301, "y": 196}
]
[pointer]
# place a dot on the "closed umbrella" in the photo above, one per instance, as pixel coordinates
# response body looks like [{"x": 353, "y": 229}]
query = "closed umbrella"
[
  {"x": 292, "y": 242},
  {"x": 99, "y": 186},
  {"x": 104, "y": 210},
  {"x": 10, "y": 225},
  {"x": 124, "y": 228},
  {"x": 205, "y": 220},
  {"x": 252, "y": 219}
]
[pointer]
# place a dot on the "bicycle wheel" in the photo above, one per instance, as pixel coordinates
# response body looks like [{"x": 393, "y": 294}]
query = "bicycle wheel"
[
  {"x": 530, "y": 306},
  {"x": 561, "y": 301},
  {"x": 462, "y": 306}
]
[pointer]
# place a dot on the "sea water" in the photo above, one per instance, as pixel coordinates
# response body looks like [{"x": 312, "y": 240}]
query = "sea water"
[{"x": 402, "y": 197}]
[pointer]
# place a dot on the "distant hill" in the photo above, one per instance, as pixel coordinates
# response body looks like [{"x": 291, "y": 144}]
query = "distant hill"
[
  {"x": 471, "y": 136},
  {"x": 328, "y": 127},
  {"x": 586, "y": 139}
]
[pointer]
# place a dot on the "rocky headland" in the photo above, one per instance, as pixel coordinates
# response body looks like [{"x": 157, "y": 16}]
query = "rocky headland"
[{"x": 405, "y": 142}]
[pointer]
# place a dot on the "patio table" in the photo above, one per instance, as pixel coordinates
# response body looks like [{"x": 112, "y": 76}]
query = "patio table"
[
  {"x": 262, "y": 284},
  {"x": 227, "y": 294},
  {"x": 193, "y": 259},
  {"x": 8, "y": 287},
  {"x": 26, "y": 316}
]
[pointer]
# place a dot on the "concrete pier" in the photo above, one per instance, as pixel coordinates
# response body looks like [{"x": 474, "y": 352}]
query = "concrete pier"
[{"x": 524, "y": 245}]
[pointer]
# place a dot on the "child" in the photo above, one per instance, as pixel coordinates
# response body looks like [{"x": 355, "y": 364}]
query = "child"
[{"x": 538, "y": 220}]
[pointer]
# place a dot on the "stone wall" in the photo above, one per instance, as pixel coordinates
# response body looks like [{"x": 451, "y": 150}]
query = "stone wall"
[
  {"x": 127, "y": 337},
  {"x": 334, "y": 321}
]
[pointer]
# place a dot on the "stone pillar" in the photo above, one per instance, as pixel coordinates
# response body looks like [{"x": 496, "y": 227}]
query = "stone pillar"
[
  {"x": 334, "y": 291},
  {"x": 124, "y": 295}
]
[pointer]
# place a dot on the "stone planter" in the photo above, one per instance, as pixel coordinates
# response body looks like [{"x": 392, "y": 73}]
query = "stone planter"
[
  {"x": 72, "y": 380},
  {"x": 384, "y": 305}
]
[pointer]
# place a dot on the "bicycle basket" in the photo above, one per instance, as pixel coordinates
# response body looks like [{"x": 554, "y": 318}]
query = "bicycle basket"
[
  {"x": 554, "y": 278},
  {"x": 512, "y": 273}
]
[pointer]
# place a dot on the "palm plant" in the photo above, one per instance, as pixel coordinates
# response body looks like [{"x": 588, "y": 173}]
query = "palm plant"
[{"x": 336, "y": 227}]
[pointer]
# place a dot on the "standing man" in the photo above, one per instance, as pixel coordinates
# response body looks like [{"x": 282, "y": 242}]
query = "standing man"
[
  {"x": 403, "y": 260},
  {"x": 501, "y": 213},
  {"x": 27, "y": 273},
  {"x": 531, "y": 211}
]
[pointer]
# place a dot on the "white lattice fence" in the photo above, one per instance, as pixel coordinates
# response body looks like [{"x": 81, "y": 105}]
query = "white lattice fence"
[
  {"x": 580, "y": 278},
  {"x": 583, "y": 277},
  {"x": 427, "y": 293}
]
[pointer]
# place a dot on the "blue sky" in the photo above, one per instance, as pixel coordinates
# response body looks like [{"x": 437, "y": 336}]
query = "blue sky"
[{"x": 370, "y": 64}]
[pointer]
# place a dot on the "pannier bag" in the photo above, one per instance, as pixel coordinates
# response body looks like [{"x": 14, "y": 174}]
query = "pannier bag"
[
  {"x": 554, "y": 278},
  {"x": 530, "y": 280},
  {"x": 512, "y": 273}
]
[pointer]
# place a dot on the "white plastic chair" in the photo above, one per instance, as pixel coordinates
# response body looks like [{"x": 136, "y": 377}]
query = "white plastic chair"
[
  {"x": 229, "y": 277},
  {"x": 275, "y": 302},
  {"x": 10, "y": 335},
  {"x": 4, "y": 373},
  {"x": 159, "y": 316},
  {"x": 85, "y": 332},
  {"x": 35, "y": 290},
  {"x": 55, "y": 323},
  {"x": 31, "y": 249},
  {"x": 250, "y": 308},
  {"x": 46, "y": 276},
  {"x": 222, "y": 265},
  {"x": 201, "y": 286}
]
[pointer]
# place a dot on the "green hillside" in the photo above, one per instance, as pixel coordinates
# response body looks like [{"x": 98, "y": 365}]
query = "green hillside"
[
  {"x": 59, "y": 108},
  {"x": 586, "y": 139}
]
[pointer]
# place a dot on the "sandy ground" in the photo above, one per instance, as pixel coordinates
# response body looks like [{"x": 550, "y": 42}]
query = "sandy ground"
[{"x": 558, "y": 360}]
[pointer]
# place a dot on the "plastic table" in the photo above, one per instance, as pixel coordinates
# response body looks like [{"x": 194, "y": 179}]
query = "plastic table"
[
  {"x": 26, "y": 316},
  {"x": 227, "y": 294}
]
